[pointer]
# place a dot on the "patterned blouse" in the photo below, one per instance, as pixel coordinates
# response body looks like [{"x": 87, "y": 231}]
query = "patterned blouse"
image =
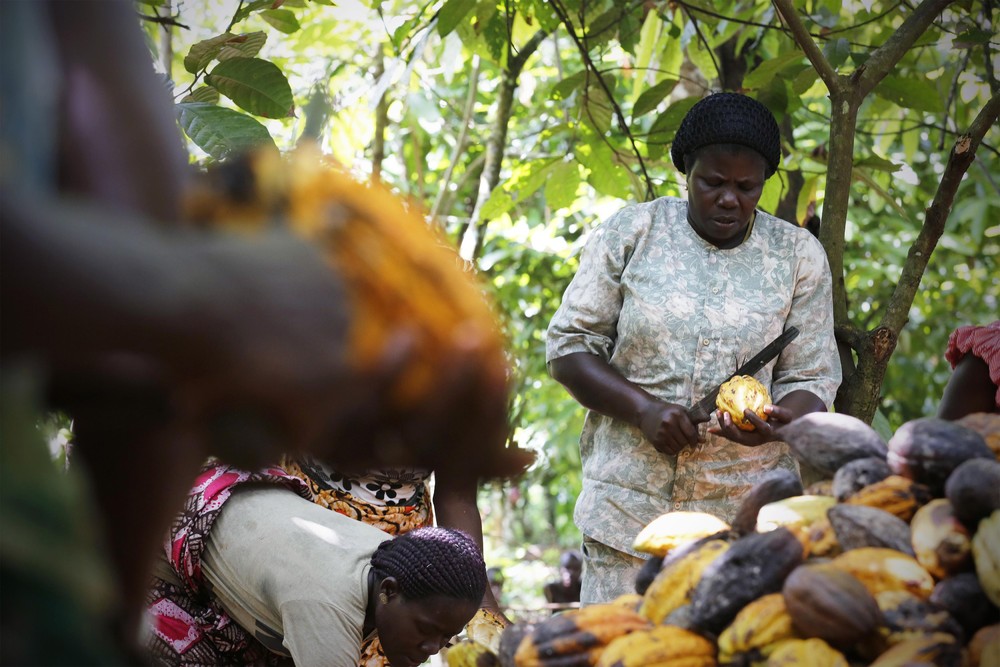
[{"x": 676, "y": 315}]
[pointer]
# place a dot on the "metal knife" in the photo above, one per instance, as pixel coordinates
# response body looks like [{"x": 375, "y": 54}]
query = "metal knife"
[{"x": 702, "y": 410}]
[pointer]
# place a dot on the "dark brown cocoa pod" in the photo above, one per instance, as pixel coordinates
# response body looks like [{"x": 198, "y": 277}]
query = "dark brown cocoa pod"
[
  {"x": 828, "y": 440},
  {"x": 858, "y": 526},
  {"x": 857, "y": 474},
  {"x": 830, "y": 604},
  {"x": 963, "y": 597},
  {"x": 927, "y": 450},
  {"x": 778, "y": 485},
  {"x": 754, "y": 565},
  {"x": 973, "y": 488}
]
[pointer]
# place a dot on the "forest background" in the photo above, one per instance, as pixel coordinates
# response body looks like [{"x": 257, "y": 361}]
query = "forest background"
[{"x": 518, "y": 125}]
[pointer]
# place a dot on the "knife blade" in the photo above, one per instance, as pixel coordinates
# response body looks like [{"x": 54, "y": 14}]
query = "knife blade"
[{"x": 702, "y": 410}]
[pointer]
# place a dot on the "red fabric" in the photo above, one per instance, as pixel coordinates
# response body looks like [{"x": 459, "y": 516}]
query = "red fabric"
[{"x": 980, "y": 341}]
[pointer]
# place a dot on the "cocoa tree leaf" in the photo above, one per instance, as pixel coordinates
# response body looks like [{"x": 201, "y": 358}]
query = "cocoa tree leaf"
[
  {"x": 652, "y": 97},
  {"x": 771, "y": 68},
  {"x": 221, "y": 132},
  {"x": 452, "y": 13},
  {"x": 562, "y": 184},
  {"x": 246, "y": 45},
  {"x": 281, "y": 19},
  {"x": 255, "y": 85},
  {"x": 202, "y": 53},
  {"x": 205, "y": 94},
  {"x": 910, "y": 93}
]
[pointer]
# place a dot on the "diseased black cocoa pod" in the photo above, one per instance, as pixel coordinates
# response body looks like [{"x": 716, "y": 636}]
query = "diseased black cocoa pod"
[
  {"x": 647, "y": 573},
  {"x": 859, "y": 526},
  {"x": 778, "y": 485},
  {"x": 753, "y": 566},
  {"x": 828, "y": 440},
  {"x": 927, "y": 450},
  {"x": 905, "y": 615},
  {"x": 857, "y": 474},
  {"x": 510, "y": 639},
  {"x": 963, "y": 597},
  {"x": 973, "y": 488}
]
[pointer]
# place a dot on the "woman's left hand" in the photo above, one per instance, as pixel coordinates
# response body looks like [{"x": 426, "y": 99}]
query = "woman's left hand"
[{"x": 764, "y": 431}]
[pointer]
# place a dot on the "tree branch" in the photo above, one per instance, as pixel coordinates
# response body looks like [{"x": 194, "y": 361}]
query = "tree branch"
[
  {"x": 460, "y": 142},
  {"x": 883, "y": 59},
  {"x": 962, "y": 154},
  {"x": 834, "y": 82}
]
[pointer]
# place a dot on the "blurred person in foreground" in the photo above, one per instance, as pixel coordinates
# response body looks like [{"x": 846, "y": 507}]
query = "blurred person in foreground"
[
  {"x": 670, "y": 297},
  {"x": 166, "y": 343}
]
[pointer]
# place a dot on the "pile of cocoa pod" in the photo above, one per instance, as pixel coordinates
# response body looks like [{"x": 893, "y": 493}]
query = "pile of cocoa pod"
[{"x": 891, "y": 559}]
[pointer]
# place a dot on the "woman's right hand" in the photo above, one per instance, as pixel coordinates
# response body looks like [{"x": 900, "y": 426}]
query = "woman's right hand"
[{"x": 667, "y": 426}]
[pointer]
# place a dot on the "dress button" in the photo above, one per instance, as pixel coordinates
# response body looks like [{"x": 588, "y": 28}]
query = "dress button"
[
  {"x": 715, "y": 290},
  {"x": 677, "y": 506},
  {"x": 705, "y": 342}
]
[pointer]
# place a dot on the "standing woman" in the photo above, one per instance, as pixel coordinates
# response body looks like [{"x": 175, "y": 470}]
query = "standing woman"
[
  {"x": 256, "y": 573},
  {"x": 670, "y": 297}
]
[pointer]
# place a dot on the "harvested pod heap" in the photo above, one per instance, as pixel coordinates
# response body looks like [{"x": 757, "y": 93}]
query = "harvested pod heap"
[{"x": 900, "y": 567}]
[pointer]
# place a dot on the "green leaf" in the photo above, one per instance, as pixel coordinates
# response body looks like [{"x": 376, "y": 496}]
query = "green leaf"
[
  {"x": 560, "y": 189},
  {"x": 221, "y": 132},
  {"x": 205, "y": 94},
  {"x": 251, "y": 7},
  {"x": 499, "y": 203},
  {"x": 837, "y": 51},
  {"x": 281, "y": 19},
  {"x": 877, "y": 162},
  {"x": 595, "y": 109},
  {"x": 910, "y": 93},
  {"x": 973, "y": 38},
  {"x": 204, "y": 52},
  {"x": 672, "y": 56},
  {"x": 649, "y": 37},
  {"x": 652, "y": 97},
  {"x": 602, "y": 28},
  {"x": 661, "y": 134},
  {"x": 606, "y": 174},
  {"x": 246, "y": 45},
  {"x": 452, "y": 13},
  {"x": 866, "y": 177},
  {"x": 568, "y": 86},
  {"x": 771, "y": 194},
  {"x": 805, "y": 80},
  {"x": 255, "y": 85},
  {"x": 766, "y": 72}
]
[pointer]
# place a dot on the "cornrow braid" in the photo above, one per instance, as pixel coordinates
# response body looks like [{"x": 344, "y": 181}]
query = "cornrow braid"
[{"x": 433, "y": 561}]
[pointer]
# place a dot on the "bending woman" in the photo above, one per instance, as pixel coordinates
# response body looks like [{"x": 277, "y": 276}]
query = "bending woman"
[{"x": 256, "y": 573}]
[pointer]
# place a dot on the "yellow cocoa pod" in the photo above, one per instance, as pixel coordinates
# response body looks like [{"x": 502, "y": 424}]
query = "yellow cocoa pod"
[
  {"x": 485, "y": 628},
  {"x": 932, "y": 649},
  {"x": 986, "y": 553},
  {"x": 673, "y": 584},
  {"x": 805, "y": 653},
  {"x": 822, "y": 540},
  {"x": 797, "y": 514},
  {"x": 671, "y": 530},
  {"x": 578, "y": 636},
  {"x": 471, "y": 654},
  {"x": 662, "y": 646},
  {"x": 895, "y": 494},
  {"x": 940, "y": 542},
  {"x": 881, "y": 569},
  {"x": 758, "y": 625},
  {"x": 743, "y": 392}
]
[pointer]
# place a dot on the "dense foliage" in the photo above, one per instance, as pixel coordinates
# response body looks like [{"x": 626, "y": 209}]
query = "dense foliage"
[{"x": 519, "y": 124}]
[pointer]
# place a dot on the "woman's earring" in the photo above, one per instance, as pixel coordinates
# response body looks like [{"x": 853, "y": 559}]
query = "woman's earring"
[{"x": 383, "y": 598}]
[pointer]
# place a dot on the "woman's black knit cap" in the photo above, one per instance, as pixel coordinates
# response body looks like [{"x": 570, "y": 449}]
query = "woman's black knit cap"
[{"x": 728, "y": 118}]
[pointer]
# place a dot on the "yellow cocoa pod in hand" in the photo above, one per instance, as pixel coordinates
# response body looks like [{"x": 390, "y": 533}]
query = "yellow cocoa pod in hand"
[{"x": 743, "y": 392}]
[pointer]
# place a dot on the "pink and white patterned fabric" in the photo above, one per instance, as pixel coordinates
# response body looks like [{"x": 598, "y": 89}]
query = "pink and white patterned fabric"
[{"x": 188, "y": 626}]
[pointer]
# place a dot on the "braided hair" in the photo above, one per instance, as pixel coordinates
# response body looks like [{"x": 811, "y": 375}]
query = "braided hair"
[
  {"x": 433, "y": 561},
  {"x": 728, "y": 118}
]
